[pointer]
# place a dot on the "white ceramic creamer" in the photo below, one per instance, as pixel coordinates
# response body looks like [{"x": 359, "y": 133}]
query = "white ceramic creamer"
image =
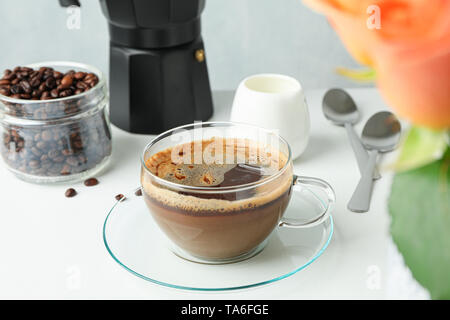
[{"x": 276, "y": 102}]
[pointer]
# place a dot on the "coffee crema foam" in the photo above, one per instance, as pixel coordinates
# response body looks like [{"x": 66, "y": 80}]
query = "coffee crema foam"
[{"x": 179, "y": 165}]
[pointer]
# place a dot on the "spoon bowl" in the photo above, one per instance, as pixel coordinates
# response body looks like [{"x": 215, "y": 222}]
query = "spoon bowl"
[
  {"x": 338, "y": 107},
  {"x": 381, "y": 132}
]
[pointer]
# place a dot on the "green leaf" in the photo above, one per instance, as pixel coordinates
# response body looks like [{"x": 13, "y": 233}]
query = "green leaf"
[
  {"x": 360, "y": 75},
  {"x": 419, "y": 206},
  {"x": 421, "y": 147}
]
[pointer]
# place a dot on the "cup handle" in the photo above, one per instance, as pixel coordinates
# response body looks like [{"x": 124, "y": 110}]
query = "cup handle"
[{"x": 300, "y": 181}]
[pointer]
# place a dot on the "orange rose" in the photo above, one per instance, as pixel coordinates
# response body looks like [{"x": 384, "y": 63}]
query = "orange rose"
[{"x": 410, "y": 51}]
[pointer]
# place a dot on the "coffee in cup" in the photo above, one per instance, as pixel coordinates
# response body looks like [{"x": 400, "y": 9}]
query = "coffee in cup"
[
  {"x": 217, "y": 225},
  {"x": 218, "y": 199}
]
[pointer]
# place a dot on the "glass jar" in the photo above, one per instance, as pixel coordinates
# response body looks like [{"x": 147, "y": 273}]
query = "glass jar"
[{"x": 64, "y": 139}]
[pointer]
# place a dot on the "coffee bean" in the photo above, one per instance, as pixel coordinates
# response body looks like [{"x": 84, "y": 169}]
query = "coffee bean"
[
  {"x": 25, "y": 85},
  {"x": 45, "y": 95},
  {"x": 71, "y": 192},
  {"x": 65, "y": 170},
  {"x": 81, "y": 85},
  {"x": 138, "y": 192},
  {"x": 79, "y": 75},
  {"x": 42, "y": 87},
  {"x": 72, "y": 161},
  {"x": 78, "y": 144},
  {"x": 67, "y": 81},
  {"x": 36, "y": 151},
  {"x": 47, "y": 75},
  {"x": 15, "y": 89},
  {"x": 90, "y": 76},
  {"x": 120, "y": 197},
  {"x": 41, "y": 145},
  {"x": 54, "y": 93},
  {"x": 36, "y": 94},
  {"x": 35, "y": 82},
  {"x": 67, "y": 152},
  {"x": 65, "y": 93},
  {"x": 4, "y": 91},
  {"x": 33, "y": 164},
  {"x": 10, "y": 76},
  {"x": 4, "y": 82},
  {"x": 57, "y": 75},
  {"x": 46, "y": 135},
  {"x": 25, "y": 96},
  {"x": 52, "y": 154},
  {"x": 50, "y": 83},
  {"x": 91, "y": 182}
]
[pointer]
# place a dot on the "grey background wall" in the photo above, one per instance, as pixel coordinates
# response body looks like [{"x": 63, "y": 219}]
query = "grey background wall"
[{"x": 242, "y": 37}]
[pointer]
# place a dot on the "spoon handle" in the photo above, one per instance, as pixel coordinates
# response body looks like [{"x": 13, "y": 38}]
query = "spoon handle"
[
  {"x": 360, "y": 201},
  {"x": 360, "y": 152}
]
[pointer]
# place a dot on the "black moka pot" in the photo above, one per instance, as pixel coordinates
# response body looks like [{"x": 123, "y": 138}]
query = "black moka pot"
[{"x": 158, "y": 73}]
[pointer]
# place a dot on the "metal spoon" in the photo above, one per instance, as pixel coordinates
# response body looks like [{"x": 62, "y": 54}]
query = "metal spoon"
[
  {"x": 381, "y": 134},
  {"x": 339, "y": 107}
]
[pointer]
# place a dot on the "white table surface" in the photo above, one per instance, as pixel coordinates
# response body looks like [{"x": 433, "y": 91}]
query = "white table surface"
[{"x": 52, "y": 246}]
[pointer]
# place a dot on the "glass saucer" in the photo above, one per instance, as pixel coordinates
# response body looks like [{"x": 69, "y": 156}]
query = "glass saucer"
[{"x": 136, "y": 243}]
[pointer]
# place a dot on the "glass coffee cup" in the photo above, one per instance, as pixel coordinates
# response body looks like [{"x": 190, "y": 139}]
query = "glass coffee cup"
[{"x": 218, "y": 190}]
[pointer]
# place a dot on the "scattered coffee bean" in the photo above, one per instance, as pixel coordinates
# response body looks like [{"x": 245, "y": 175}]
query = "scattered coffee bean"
[
  {"x": 91, "y": 182},
  {"x": 120, "y": 197},
  {"x": 71, "y": 192},
  {"x": 138, "y": 192}
]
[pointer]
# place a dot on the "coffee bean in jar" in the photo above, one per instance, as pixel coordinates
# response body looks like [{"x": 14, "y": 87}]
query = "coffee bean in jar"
[{"x": 54, "y": 121}]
